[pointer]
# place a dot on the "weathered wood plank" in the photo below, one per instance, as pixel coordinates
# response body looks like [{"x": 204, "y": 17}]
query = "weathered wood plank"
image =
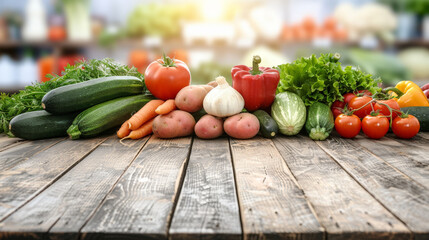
[
  {"x": 26, "y": 179},
  {"x": 405, "y": 198},
  {"x": 423, "y": 135},
  {"x": 342, "y": 206},
  {"x": 6, "y": 142},
  {"x": 207, "y": 207},
  {"x": 272, "y": 205},
  {"x": 21, "y": 152},
  {"x": 64, "y": 207},
  {"x": 141, "y": 204},
  {"x": 409, "y": 156}
]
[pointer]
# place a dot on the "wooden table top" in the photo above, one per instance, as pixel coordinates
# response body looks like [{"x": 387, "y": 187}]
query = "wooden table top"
[{"x": 188, "y": 188}]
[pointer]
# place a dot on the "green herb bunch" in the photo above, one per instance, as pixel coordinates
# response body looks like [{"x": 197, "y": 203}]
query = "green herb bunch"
[
  {"x": 30, "y": 98},
  {"x": 323, "y": 79}
]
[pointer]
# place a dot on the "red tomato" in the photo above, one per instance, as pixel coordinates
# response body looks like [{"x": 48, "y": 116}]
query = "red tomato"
[
  {"x": 165, "y": 77},
  {"x": 359, "y": 102},
  {"x": 375, "y": 127},
  {"x": 384, "y": 110},
  {"x": 348, "y": 97},
  {"x": 405, "y": 127},
  {"x": 365, "y": 92},
  {"x": 337, "y": 108},
  {"x": 348, "y": 126}
]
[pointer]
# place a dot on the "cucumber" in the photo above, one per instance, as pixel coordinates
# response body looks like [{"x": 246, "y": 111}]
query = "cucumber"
[
  {"x": 320, "y": 121},
  {"x": 422, "y": 114},
  {"x": 107, "y": 115},
  {"x": 40, "y": 125},
  {"x": 268, "y": 127},
  {"x": 80, "y": 96}
]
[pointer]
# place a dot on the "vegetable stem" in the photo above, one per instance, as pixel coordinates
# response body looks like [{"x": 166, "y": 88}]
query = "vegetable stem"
[{"x": 255, "y": 67}]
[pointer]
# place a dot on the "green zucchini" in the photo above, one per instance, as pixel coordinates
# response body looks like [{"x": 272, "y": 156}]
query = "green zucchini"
[
  {"x": 422, "y": 114},
  {"x": 320, "y": 121},
  {"x": 80, "y": 96},
  {"x": 268, "y": 127},
  {"x": 40, "y": 125},
  {"x": 107, "y": 115}
]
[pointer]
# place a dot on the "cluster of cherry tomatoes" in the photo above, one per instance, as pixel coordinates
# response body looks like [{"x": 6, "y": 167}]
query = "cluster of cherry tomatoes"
[{"x": 376, "y": 115}]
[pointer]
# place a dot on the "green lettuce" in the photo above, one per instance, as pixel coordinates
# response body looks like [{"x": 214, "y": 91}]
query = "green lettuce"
[{"x": 323, "y": 79}]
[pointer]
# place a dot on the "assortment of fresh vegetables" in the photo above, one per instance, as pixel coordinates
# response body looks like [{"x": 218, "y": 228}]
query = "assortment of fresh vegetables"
[
  {"x": 313, "y": 92},
  {"x": 30, "y": 98}
]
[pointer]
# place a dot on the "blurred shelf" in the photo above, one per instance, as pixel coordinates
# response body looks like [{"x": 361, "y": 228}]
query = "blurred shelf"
[
  {"x": 65, "y": 44},
  {"x": 412, "y": 43}
]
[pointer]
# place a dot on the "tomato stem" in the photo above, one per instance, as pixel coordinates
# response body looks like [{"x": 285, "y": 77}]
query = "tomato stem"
[{"x": 167, "y": 61}]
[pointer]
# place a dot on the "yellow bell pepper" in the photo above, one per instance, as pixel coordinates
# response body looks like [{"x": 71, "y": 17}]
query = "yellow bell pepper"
[{"x": 413, "y": 95}]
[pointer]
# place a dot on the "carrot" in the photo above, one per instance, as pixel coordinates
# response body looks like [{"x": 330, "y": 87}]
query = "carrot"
[
  {"x": 142, "y": 131},
  {"x": 146, "y": 113},
  {"x": 124, "y": 130},
  {"x": 166, "y": 107}
]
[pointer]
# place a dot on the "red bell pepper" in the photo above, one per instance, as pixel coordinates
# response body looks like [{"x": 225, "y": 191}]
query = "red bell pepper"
[{"x": 257, "y": 85}]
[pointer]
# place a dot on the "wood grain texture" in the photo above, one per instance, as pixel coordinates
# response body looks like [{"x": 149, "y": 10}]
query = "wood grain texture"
[
  {"x": 26, "y": 179},
  {"x": 12, "y": 156},
  {"x": 272, "y": 205},
  {"x": 405, "y": 198},
  {"x": 207, "y": 207},
  {"x": 65, "y": 206},
  {"x": 7, "y": 142},
  {"x": 343, "y": 207},
  {"x": 423, "y": 135},
  {"x": 141, "y": 204},
  {"x": 410, "y": 156}
]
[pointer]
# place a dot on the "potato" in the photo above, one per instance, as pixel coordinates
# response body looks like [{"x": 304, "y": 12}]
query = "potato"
[
  {"x": 208, "y": 88},
  {"x": 209, "y": 127},
  {"x": 174, "y": 124},
  {"x": 190, "y": 98},
  {"x": 213, "y": 84},
  {"x": 241, "y": 126}
]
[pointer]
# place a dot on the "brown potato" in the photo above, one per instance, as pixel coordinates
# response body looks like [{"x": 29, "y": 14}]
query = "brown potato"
[
  {"x": 209, "y": 127},
  {"x": 241, "y": 126},
  {"x": 174, "y": 124},
  {"x": 190, "y": 98}
]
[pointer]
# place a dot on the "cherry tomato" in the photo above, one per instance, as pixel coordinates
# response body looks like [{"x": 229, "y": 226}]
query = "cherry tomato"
[
  {"x": 365, "y": 92},
  {"x": 375, "y": 127},
  {"x": 338, "y": 106},
  {"x": 165, "y": 77},
  {"x": 384, "y": 110},
  {"x": 358, "y": 102},
  {"x": 348, "y": 97},
  {"x": 348, "y": 126},
  {"x": 405, "y": 127}
]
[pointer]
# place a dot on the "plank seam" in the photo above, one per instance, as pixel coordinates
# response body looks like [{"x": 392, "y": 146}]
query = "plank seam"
[
  {"x": 9, "y": 146},
  {"x": 303, "y": 192},
  {"x": 91, "y": 215},
  {"x": 51, "y": 182},
  {"x": 53, "y": 144},
  {"x": 236, "y": 187},
  {"x": 179, "y": 189},
  {"x": 390, "y": 165},
  {"x": 364, "y": 188}
]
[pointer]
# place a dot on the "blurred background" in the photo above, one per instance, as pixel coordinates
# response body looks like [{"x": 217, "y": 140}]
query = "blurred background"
[{"x": 387, "y": 38}]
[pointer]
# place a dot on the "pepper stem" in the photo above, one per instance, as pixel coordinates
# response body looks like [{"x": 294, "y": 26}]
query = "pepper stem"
[
  {"x": 255, "y": 67},
  {"x": 395, "y": 90}
]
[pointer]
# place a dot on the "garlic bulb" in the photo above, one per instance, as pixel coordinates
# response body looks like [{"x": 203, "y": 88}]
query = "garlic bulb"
[{"x": 223, "y": 100}]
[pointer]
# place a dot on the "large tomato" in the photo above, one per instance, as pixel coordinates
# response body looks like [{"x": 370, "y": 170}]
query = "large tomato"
[
  {"x": 375, "y": 127},
  {"x": 165, "y": 77},
  {"x": 348, "y": 126},
  {"x": 405, "y": 126},
  {"x": 383, "y": 109},
  {"x": 361, "y": 102}
]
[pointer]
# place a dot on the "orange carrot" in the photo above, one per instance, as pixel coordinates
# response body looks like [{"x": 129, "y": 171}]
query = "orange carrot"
[
  {"x": 142, "y": 131},
  {"x": 124, "y": 130},
  {"x": 166, "y": 107},
  {"x": 146, "y": 113}
]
